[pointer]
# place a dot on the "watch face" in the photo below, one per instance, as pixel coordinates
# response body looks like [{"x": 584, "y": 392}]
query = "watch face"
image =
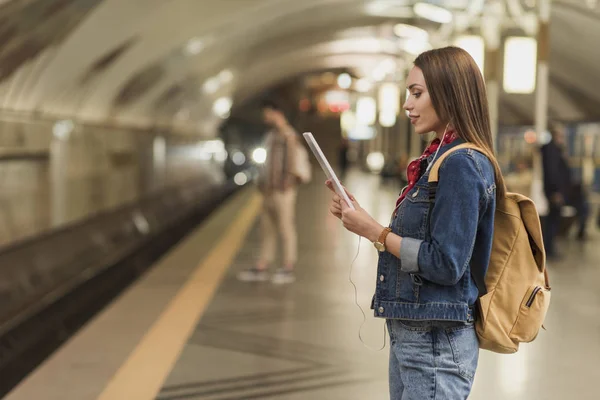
[{"x": 379, "y": 246}]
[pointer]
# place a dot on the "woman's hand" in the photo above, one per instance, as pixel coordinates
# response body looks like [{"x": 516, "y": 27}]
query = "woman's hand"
[
  {"x": 335, "y": 207},
  {"x": 357, "y": 221}
]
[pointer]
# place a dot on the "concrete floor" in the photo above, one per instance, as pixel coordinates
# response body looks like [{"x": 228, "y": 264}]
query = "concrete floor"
[{"x": 259, "y": 341}]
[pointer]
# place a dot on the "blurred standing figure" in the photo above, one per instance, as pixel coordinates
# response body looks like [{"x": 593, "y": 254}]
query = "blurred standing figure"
[
  {"x": 278, "y": 185},
  {"x": 560, "y": 189}
]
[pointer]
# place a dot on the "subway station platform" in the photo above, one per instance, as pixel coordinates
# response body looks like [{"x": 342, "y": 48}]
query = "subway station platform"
[{"x": 189, "y": 329}]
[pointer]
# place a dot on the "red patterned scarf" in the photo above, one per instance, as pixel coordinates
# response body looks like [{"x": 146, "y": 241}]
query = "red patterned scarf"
[{"x": 414, "y": 170}]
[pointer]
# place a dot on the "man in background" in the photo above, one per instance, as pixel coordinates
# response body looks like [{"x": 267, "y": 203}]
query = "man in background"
[
  {"x": 278, "y": 185},
  {"x": 560, "y": 189}
]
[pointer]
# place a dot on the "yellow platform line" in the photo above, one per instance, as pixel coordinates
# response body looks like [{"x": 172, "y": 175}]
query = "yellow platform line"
[{"x": 144, "y": 372}]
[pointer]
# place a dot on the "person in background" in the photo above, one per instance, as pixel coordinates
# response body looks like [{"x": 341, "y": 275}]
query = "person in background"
[
  {"x": 560, "y": 190},
  {"x": 278, "y": 186}
]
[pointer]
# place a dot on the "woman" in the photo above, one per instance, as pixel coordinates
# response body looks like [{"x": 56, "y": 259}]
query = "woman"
[{"x": 425, "y": 287}]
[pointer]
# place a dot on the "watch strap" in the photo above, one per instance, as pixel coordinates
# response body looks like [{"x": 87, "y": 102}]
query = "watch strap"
[{"x": 383, "y": 235}]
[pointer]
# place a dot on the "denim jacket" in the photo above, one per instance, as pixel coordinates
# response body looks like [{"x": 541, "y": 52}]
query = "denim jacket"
[{"x": 432, "y": 278}]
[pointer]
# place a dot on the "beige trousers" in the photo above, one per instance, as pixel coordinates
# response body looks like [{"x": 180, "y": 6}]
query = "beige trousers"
[{"x": 279, "y": 217}]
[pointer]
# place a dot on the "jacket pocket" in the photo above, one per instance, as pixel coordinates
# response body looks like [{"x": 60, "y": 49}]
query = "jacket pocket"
[
  {"x": 532, "y": 313},
  {"x": 412, "y": 214}
]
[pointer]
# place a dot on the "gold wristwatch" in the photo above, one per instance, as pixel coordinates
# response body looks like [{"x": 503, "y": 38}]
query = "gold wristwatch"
[{"x": 380, "y": 243}]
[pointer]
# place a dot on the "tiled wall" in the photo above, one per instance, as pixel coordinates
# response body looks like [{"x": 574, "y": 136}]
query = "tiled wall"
[{"x": 104, "y": 168}]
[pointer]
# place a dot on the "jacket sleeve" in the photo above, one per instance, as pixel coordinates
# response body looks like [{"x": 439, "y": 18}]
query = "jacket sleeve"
[{"x": 454, "y": 219}]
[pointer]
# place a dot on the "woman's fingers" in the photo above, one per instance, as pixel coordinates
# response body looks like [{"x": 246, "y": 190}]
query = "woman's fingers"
[
  {"x": 329, "y": 184},
  {"x": 336, "y": 209}
]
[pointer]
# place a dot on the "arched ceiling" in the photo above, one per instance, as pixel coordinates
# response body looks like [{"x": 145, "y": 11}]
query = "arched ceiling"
[{"x": 147, "y": 62}]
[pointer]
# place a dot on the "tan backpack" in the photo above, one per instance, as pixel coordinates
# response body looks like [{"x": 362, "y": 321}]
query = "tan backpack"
[{"x": 515, "y": 295}]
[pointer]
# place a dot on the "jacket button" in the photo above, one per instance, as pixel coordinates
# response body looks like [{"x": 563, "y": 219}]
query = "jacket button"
[
  {"x": 380, "y": 310},
  {"x": 381, "y": 278}
]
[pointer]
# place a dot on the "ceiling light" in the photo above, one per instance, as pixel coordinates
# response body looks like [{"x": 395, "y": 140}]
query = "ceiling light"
[
  {"x": 389, "y": 9},
  {"x": 415, "y": 47},
  {"x": 344, "y": 81},
  {"x": 211, "y": 85},
  {"x": 411, "y": 32},
  {"x": 62, "y": 129},
  {"x": 474, "y": 45},
  {"x": 194, "y": 46},
  {"x": 520, "y": 64},
  {"x": 226, "y": 76},
  {"x": 222, "y": 107},
  {"x": 433, "y": 13}
]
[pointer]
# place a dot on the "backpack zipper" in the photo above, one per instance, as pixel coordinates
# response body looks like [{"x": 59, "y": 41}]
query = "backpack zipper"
[{"x": 532, "y": 297}]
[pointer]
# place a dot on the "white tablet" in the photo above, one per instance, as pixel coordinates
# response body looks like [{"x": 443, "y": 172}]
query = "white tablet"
[{"x": 314, "y": 146}]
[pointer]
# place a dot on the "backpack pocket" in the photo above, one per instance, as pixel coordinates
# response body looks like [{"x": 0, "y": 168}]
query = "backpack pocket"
[{"x": 531, "y": 314}]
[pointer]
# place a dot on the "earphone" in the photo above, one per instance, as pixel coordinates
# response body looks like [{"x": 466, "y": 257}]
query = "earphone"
[{"x": 358, "y": 252}]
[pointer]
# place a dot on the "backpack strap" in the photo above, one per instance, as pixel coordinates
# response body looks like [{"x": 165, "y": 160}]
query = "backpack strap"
[{"x": 434, "y": 173}]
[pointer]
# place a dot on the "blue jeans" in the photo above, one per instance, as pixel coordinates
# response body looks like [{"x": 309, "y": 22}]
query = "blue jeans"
[{"x": 432, "y": 360}]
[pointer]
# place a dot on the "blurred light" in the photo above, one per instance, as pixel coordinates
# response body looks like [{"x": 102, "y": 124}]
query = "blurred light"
[
  {"x": 211, "y": 85},
  {"x": 201, "y": 154},
  {"x": 240, "y": 179},
  {"x": 221, "y": 156},
  {"x": 389, "y": 97},
  {"x": 336, "y": 97},
  {"x": 545, "y": 138},
  {"x": 520, "y": 64},
  {"x": 530, "y": 136},
  {"x": 361, "y": 45},
  {"x": 473, "y": 45},
  {"x": 194, "y": 46},
  {"x": 363, "y": 85},
  {"x": 347, "y": 120},
  {"x": 411, "y": 32},
  {"x": 387, "y": 66},
  {"x": 389, "y": 9},
  {"x": 433, "y": 13},
  {"x": 344, "y": 81},
  {"x": 213, "y": 146},
  {"x": 375, "y": 161},
  {"x": 159, "y": 151},
  {"x": 387, "y": 118},
  {"x": 415, "y": 47},
  {"x": 366, "y": 111},
  {"x": 591, "y": 3},
  {"x": 238, "y": 158},
  {"x": 259, "y": 155},
  {"x": 62, "y": 129},
  {"x": 226, "y": 76},
  {"x": 361, "y": 132},
  {"x": 222, "y": 107}
]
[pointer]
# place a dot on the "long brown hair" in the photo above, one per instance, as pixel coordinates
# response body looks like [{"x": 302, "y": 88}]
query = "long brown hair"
[{"x": 458, "y": 95}]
